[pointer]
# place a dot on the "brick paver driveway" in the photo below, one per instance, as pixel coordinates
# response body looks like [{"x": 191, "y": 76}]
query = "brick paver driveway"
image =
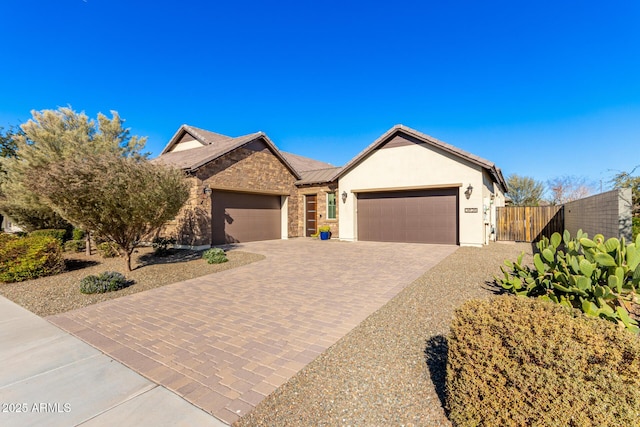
[{"x": 227, "y": 340}]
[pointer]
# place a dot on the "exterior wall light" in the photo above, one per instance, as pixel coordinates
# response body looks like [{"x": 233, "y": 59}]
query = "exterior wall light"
[
  {"x": 344, "y": 197},
  {"x": 206, "y": 191},
  {"x": 467, "y": 193}
]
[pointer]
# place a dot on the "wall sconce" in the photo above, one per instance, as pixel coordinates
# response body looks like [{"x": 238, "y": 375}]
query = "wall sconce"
[
  {"x": 206, "y": 190},
  {"x": 344, "y": 197},
  {"x": 467, "y": 193}
]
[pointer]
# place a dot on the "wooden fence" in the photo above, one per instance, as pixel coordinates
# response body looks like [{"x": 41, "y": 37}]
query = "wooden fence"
[{"x": 528, "y": 223}]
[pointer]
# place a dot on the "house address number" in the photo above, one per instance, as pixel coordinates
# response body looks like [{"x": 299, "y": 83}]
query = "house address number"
[{"x": 470, "y": 210}]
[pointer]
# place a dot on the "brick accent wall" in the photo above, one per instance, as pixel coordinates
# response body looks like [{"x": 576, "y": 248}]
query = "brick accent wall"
[
  {"x": 253, "y": 169},
  {"x": 607, "y": 213},
  {"x": 321, "y": 192}
]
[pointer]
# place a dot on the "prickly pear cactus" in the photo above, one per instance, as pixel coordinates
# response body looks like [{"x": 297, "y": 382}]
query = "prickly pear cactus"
[{"x": 600, "y": 277}]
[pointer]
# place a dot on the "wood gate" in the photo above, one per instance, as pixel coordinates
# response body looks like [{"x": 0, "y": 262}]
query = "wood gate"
[{"x": 528, "y": 223}]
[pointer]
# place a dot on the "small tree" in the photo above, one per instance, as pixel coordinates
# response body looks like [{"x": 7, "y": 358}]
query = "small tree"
[
  {"x": 50, "y": 136},
  {"x": 627, "y": 180},
  {"x": 568, "y": 188},
  {"x": 524, "y": 190},
  {"x": 122, "y": 199}
]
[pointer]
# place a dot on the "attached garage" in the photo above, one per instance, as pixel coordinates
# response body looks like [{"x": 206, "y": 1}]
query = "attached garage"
[
  {"x": 421, "y": 216},
  {"x": 243, "y": 217}
]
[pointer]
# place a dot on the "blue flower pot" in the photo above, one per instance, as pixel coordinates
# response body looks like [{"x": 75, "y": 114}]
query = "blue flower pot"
[{"x": 324, "y": 235}]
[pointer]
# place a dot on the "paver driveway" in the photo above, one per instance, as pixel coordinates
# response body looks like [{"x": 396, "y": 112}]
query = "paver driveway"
[{"x": 227, "y": 340}]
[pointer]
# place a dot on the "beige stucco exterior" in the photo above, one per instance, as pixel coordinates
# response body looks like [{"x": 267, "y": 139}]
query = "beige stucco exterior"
[{"x": 407, "y": 163}]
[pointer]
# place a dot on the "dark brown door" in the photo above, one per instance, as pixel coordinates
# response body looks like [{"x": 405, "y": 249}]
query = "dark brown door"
[
  {"x": 426, "y": 216},
  {"x": 311, "y": 214},
  {"x": 239, "y": 217}
]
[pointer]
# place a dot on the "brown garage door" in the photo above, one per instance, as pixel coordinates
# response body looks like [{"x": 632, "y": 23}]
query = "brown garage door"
[
  {"x": 425, "y": 216},
  {"x": 239, "y": 217}
]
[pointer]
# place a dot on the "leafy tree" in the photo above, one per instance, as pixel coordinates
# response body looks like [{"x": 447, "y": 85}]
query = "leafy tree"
[
  {"x": 8, "y": 145},
  {"x": 50, "y": 136},
  {"x": 524, "y": 190},
  {"x": 568, "y": 188},
  {"x": 120, "y": 198},
  {"x": 628, "y": 180}
]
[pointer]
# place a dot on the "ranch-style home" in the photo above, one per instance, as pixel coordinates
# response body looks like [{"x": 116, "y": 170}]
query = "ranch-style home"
[{"x": 405, "y": 187}]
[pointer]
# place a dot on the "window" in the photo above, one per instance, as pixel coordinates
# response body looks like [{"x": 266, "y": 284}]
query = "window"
[{"x": 331, "y": 205}]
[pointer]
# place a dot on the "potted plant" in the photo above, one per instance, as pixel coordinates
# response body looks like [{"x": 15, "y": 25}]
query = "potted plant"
[{"x": 325, "y": 232}]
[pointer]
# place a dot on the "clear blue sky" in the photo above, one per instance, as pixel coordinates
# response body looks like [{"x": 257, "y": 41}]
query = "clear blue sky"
[{"x": 543, "y": 89}]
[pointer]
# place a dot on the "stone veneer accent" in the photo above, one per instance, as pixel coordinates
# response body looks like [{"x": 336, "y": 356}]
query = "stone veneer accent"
[
  {"x": 252, "y": 169},
  {"x": 321, "y": 192}
]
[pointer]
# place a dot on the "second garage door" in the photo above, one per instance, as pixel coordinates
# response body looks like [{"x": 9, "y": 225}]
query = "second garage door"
[
  {"x": 425, "y": 216},
  {"x": 240, "y": 217}
]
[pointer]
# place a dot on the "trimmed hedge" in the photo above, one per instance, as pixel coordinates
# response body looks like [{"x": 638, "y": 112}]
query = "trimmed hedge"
[
  {"x": 516, "y": 361},
  {"x": 24, "y": 258}
]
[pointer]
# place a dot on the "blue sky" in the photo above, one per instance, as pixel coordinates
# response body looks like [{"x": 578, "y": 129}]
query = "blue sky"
[{"x": 543, "y": 89}]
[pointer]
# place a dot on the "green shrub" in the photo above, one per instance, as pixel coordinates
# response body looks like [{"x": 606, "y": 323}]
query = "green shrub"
[
  {"x": 636, "y": 226},
  {"x": 78, "y": 234},
  {"x": 55, "y": 233},
  {"x": 599, "y": 277},
  {"x": 519, "y": 362},
  {"x": 215, "y": 256},
  {"x": 108, "y": 249},
  {"x": 24, "y": 258},
  {"x": 161, "y": 245},
  {"x": 324, "y": 229},
  {"x": 75, "y": 245},
  {"x": 108, "y": 281}
]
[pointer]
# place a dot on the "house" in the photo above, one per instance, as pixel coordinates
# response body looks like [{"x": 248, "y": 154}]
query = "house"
[{"x": 405, "y": 187}]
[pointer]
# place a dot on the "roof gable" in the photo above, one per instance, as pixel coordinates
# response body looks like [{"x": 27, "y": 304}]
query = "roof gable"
[
  {"x": 214, "y": 145},
  {"x": 389, "y": 140}
]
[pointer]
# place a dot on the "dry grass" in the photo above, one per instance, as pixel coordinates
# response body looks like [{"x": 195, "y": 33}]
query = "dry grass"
[{"x": 56, "y": 294}]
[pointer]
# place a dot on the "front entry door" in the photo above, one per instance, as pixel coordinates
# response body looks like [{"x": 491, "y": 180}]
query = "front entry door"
[{"x": 311, "y": 214}]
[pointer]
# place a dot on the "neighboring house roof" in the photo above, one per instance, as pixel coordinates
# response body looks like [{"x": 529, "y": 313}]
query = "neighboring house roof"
[
  {"x": 214, "y": 146},
  {"x": 486, "y": 164}
]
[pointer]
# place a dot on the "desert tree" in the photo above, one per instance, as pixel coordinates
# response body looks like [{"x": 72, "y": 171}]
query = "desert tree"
[
  {"x": 50, "y": 136},
  {"x": 629, "y": 180},
  {"x": 568, "y": 188},
  {"x": 524, "y": 190},
  {"x": 121, "y": 198}
]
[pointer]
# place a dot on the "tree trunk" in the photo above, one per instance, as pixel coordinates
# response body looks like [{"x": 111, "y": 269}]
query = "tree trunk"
[
  {"x": 87, "y": 246},
  {"x": 127, "y": 258}
]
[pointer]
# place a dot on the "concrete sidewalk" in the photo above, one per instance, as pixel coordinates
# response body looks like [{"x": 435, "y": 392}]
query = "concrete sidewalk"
[{"x": 50, "y": 378}]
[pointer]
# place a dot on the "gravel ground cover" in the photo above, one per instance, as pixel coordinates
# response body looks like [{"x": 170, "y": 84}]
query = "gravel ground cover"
[
  {"x": 390, "y": 369},
  {"x": 56, "y": 294}
]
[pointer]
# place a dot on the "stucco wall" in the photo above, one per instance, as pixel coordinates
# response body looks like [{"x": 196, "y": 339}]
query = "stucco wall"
[
  {"x": 410, "y": 164},
  {"x": 607, "y": 213}
]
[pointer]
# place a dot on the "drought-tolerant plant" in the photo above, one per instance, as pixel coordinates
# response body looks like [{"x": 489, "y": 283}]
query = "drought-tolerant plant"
[
  {"x": 108, "y": 281},
  {"x": 74, "y": 245},
  {"x": 108, "y": 249},
  {"x": 24, "y": 258},
  {"x": 599, "y": 277},
  {"x": 55, "y": 233},
  {"x": 521, "y": 362},
  {"x": 78, "y": 234},
  {"x": 215, "y": 256},
  {"x": 161, "y": 245}
]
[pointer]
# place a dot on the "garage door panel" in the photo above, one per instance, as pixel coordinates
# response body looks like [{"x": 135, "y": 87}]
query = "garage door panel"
[
  {"x": 239, "y": 217},
  {"x": 429, "y": 216}
]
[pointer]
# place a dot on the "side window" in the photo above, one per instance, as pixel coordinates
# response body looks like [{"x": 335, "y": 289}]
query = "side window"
[{"x": 331, "y": 205}]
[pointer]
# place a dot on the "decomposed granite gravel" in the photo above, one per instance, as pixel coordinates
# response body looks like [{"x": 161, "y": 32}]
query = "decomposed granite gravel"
[
  {"x": 56, "y": 294},
  {"x": 390, "y": 369}
]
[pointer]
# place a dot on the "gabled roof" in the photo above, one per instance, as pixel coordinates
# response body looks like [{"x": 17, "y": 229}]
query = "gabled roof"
[
  {"x": 214, "y": 145},
  {"x": 305, "y": 163},
  {"x": 495, "y": 172}
]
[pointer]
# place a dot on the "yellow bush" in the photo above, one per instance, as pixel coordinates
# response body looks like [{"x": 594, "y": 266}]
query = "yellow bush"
[{"x": 524, "y": 362}]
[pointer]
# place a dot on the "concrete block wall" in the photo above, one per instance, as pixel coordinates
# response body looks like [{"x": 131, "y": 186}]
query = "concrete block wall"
[{"x": 607, "y": 213}]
